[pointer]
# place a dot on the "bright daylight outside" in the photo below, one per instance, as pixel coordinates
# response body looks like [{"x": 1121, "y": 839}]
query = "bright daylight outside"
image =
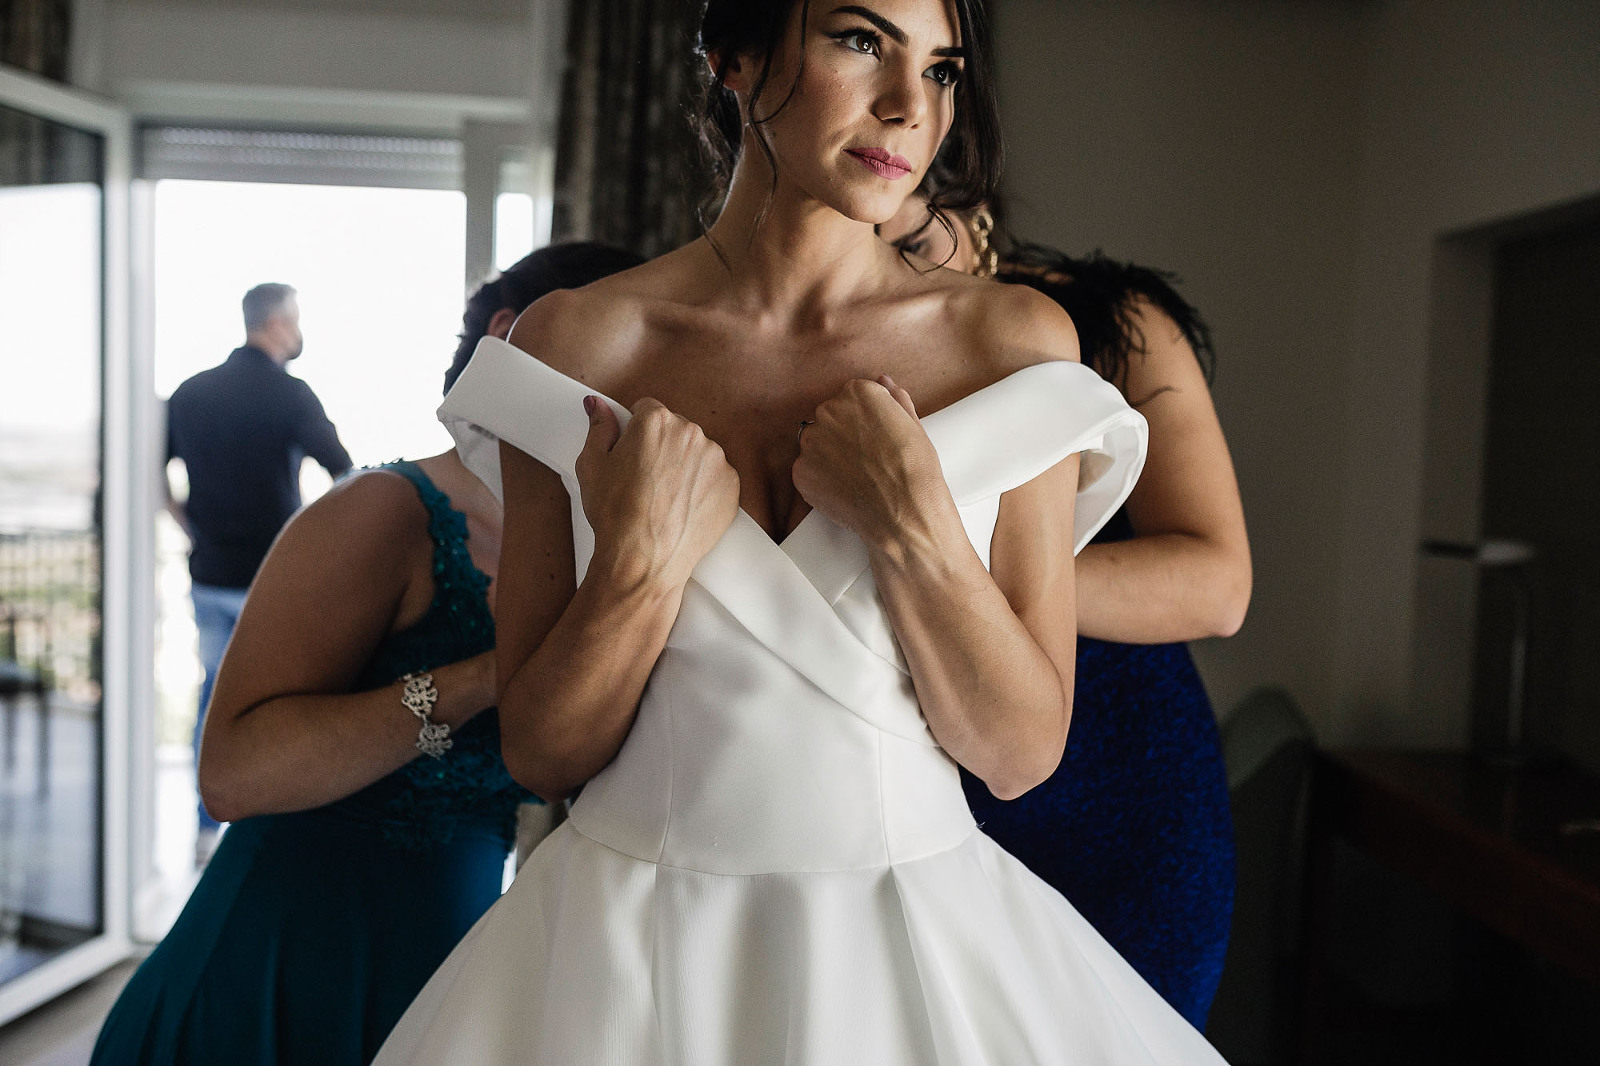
[
  {"x": 379, "y": 274},
  {"x": 50, "y": 625}
]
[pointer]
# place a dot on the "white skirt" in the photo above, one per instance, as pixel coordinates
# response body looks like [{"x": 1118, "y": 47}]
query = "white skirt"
[{"x": 595, "y": 957}]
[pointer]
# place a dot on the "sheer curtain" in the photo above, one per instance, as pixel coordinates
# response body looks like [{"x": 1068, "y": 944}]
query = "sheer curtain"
[{"x": 627, "y": 168}]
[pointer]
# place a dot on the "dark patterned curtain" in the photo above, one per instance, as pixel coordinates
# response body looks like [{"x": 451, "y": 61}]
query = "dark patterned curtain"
[
  {"x": 34, "y": 34},
  {"x": 33, "y": 37},
  {"x": 627, "y": 169}
]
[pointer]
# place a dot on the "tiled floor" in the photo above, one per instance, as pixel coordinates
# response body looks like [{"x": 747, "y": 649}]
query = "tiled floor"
[
  {"x": 62, "y": 1032},
  {"x": 49, "y": 828},
  {"x": 48, "y": 867}
]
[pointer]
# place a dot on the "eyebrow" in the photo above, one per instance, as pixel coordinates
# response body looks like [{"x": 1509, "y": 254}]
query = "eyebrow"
[{"x": 890, "y": 30}]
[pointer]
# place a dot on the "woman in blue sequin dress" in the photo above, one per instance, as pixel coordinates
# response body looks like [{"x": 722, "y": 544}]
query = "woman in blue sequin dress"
[
  {"x": 353, "y": 865},
  {"x": 1133, "y": 827}
]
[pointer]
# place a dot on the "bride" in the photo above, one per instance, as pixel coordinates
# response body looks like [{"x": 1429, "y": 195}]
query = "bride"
[{"x": 789, "y": 534}]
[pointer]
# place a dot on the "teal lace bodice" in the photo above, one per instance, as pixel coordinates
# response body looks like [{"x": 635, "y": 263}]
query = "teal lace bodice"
[{"x": 429, "y": 800}]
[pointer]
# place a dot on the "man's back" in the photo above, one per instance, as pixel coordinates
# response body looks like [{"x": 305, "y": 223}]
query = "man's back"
[{"x": 241, "y": 429}]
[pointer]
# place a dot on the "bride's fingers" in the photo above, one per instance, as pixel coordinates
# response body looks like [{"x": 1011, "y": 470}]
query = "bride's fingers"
[
  {"x": 901, "y": 396},
  {"x": 603, "y": 432},
  {"x": 604, "y": 429}
]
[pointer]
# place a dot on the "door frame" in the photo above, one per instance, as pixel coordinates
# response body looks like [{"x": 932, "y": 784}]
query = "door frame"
[{"x": 127, "y": 593}]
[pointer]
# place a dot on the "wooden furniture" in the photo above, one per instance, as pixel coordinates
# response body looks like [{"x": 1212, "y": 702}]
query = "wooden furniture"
[{"x": 1516, "y": 847}]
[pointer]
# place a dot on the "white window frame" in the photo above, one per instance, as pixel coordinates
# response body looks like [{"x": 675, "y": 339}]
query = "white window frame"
[{"x": 127, "y": 592}]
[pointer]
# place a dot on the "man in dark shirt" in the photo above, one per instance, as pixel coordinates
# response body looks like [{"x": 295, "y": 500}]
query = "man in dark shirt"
[{"x": 242, "y": 430}]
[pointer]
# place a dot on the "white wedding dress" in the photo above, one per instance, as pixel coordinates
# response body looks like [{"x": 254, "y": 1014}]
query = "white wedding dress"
[{"x": 779, "y": 866}]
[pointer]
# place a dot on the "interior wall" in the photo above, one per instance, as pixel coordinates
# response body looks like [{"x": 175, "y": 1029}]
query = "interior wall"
[
  {"x": 1216, "y": 138},
  {"x": 168, "y": 54},
  {"x": 508, "y": 10},
  {"x": 1308, "y": 167},
  {"x": 1477, "y": 112},
  {"x": 1299, "y": 162}
]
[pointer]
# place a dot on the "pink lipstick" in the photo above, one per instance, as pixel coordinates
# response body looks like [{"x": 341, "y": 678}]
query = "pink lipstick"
[{"x": 882, "y": 162}]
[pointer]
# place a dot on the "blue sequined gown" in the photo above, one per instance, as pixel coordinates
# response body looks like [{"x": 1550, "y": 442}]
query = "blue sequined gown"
[
  {"x": 1133, "y": 827},
  {"x": 310, "y": 933}
]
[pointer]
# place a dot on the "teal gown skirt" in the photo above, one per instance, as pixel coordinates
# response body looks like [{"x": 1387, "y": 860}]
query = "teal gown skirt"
[
  {"x": 310, "y": 933},
  {"x": 343, "y": 928}
]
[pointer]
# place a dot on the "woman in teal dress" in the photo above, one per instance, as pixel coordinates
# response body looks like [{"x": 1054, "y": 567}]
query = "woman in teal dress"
[{"x": 353, "y": 863}]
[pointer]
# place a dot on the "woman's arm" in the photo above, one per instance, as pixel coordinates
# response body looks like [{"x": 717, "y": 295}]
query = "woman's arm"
[
  {"x": 1186, "y": 573},
  {"x": 574, "y": 658},
  {"x": 284, "y": 732},
  {"x": 991, "y": 652}
]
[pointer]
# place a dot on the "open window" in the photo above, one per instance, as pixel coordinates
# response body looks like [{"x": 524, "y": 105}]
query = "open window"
[{"x": 68, "y": 650}]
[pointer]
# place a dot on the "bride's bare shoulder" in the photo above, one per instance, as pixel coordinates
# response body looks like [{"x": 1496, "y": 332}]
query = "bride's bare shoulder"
[
  {"x": 583, "y": 332},
  {"x": 1027, "y": 327},
  {"x": 595, "y": 333},
  {"x": 1006, "y": 327}
]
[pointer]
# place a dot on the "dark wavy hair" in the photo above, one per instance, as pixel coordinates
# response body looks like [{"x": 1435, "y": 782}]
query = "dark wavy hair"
[
  {"x": 558, "y": 266},
  {"x": 756, "y": 27}
]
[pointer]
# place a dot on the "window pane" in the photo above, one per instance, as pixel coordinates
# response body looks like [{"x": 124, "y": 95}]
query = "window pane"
[
  {"x": 51, "y": 219},
  {"x": 513, "y": 228}
]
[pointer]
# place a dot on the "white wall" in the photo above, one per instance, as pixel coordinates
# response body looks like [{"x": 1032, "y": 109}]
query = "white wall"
[
  {"x": 296, "y": 63},
  {"x": 1298, "y": 162}
]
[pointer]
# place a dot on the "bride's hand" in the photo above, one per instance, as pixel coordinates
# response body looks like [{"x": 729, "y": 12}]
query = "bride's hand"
[
  {"x": 867, "y": 464},
  {"x": 659, "y": 494}
]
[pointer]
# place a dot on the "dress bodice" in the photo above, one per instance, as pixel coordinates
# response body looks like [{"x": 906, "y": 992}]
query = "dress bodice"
[
  {"x": 428, "y": 800},
  {"x": 779, "y": 731}
]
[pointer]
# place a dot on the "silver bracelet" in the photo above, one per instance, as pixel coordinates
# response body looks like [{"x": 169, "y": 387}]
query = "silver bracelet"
[{"x": 419, "y": 697}]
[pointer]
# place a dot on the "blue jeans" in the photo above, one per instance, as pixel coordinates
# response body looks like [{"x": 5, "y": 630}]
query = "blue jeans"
[{"x": 216, "y": 612}]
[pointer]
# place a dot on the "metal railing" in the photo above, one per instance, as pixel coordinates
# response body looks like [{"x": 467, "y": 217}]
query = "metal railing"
[{"x": 50, "y": 623}]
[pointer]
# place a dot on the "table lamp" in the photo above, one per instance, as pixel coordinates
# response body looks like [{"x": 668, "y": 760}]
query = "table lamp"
[{"x": 1511, "y": 558}]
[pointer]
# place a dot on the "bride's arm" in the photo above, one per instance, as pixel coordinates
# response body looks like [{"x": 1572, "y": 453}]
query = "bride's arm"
[
  {"x": 991, "y": 652},
  {"x": 573, "y": 659}
]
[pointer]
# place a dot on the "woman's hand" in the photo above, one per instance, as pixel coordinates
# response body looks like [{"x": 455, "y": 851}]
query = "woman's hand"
[
  {"x": 867, "y": 464},
  {"x": 575, "y": 657},
  {"x": 659, "y": 494}
]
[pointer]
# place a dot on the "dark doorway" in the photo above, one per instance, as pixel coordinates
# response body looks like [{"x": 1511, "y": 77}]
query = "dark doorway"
[{"x": 1542, "y": 487}]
